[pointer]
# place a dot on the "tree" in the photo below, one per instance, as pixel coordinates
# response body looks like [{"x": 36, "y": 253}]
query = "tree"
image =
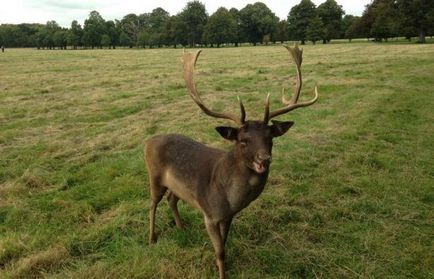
[
  {"x": 221, "y": 28},
  {"x": 74, "y": 34},
  {"x": 22, "y": 35},
  {"x": 380, "y": 20},
  {"x": 51, "y": 27},
  {"x": 176, "y": 31},
  {"x": 112, "y": 31},
  {"x": 156, "y": 26},
  {"x": 239, "y": 36},
  {"x": 350, "y": 25},
  {"x": 59, "y": 39},
  {"x": 315, "y": 30},
  {"x": 143, "y": 39},
  {"x": 299, "y": 18},
  {"x": 331, "y": 14},
  {"x": 257, "y": 21},
  {"x": 194, "y": 17},
  {"x": 281, "y": 34},
  {"x": 125, "y": 40},
  {"x": 346, "y": 22},
  {"x": 131, "y": 24},
  {"x": 94, "y": 28},
  {"x": 417, "y": 15},
  {"x": 105, "y": 40}
]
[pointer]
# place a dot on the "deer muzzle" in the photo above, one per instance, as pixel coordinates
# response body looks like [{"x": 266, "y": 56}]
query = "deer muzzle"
[{"x": 261, "y": 162}]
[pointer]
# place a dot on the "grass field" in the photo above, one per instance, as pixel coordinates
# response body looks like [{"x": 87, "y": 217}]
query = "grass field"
[{"x": 350, "y": 194}]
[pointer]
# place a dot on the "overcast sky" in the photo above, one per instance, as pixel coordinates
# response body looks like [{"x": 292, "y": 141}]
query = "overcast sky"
[{"x": 65, "y": 11}]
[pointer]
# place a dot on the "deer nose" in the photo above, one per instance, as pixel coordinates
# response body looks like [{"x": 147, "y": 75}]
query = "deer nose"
[{"x": 264, "y": 156}]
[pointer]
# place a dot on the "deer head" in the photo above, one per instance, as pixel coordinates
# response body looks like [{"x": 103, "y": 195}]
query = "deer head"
[{"x": 254, "y": 138}]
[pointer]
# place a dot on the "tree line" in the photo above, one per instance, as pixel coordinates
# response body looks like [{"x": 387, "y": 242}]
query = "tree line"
[{"x": 255, "y": 24}]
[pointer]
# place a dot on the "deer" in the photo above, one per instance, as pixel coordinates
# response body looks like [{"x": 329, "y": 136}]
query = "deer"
[{"x": 217, "y": 182}]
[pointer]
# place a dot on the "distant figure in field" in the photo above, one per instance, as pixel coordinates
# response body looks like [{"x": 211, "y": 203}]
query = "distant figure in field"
[{"x": 3, "y": 48}]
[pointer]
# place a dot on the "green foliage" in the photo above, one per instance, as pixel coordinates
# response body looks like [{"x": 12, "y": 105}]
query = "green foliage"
[
  {"x": 105, "y": 40},
  {"x": 112, "y": 32},
  {"x": 299, "y": 19},
  {"x": 221, "y": 28},
  {"x": 194, "y": 18},
  {"x": 143, "y": 38},
  {"x": 331, "y": 14},
  {"x": 315, "y": 30},
  {"x": 156, "y": 27},
  {"x": 383, "y": 19},
  {"x": 59, "y": 39},
  {"x": 93, "y": 30},
  {"x": 346, "y": 23},
  {"x": 282, "y": 33},
  {"x": 125, "y": 40},
  {"x": 175, "y": 29},
  {"x": 131, "y": 25},
  {"x": 257, "y": 20},
  {"x": 417, "y": 15},
  {"x": 74, "y": 34}
]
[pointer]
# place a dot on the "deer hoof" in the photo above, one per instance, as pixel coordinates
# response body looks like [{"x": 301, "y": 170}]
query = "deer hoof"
[{"x": 153, "y": 239}]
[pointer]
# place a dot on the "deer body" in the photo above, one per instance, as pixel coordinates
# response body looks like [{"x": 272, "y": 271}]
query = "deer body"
[
  {"x": 211, "y": 180},
  {"x": 218, "y": 183}
]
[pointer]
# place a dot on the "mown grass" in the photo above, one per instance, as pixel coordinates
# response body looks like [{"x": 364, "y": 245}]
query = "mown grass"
[{"x": 350, "y": 194}]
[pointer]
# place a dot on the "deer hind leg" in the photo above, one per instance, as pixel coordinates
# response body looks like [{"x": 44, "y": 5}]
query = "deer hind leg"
[
  {"x": 157, "y": 193},
  {"x": 173, "y": 203}
]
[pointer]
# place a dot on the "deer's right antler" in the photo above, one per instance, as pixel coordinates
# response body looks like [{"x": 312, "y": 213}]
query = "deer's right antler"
[
  {"x": 189, "y": 61},
  {"x": 297, "y": 56}
]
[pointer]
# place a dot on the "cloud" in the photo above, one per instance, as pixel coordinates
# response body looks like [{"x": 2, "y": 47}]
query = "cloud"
[{"x": 60, "y": 5}]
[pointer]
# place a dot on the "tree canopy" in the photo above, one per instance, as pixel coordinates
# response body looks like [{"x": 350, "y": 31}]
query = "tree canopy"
[
  {"x": 255, "y": 24},
  {"x": 221, "y": 28},
  {"x": 299, "y": 19},
  {"x": 257, "y": 21}
]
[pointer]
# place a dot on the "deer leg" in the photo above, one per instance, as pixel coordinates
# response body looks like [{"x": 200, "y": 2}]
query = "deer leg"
[
  {"x": 224, "y": 229},
  {"x": 173, "y": 203},
  {"x": 157, "y": 193},
  {"x": 213, "y": 230}
]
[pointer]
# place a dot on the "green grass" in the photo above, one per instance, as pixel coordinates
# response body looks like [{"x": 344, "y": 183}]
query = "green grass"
[{"x": 350, "y": 194}]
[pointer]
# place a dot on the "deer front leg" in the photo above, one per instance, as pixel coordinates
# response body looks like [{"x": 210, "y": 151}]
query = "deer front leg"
[
  {"x": 213, "y": 229},
  {"x": 224, "y": 229}
]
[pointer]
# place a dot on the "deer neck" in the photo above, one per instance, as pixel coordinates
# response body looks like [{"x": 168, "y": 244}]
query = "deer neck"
[{"x": 240, "y": 184}]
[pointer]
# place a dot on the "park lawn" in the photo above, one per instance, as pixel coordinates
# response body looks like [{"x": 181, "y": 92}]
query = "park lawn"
[{"x": 351, "y": 188}]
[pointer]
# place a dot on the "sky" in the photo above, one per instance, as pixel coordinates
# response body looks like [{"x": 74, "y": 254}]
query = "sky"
[{"x": 65, "y": 11}]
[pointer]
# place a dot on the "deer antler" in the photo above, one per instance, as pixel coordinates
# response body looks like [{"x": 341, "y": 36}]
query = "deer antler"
[
  {"x": 189, "y": 61},
  {"x": 297, "y": 56}
]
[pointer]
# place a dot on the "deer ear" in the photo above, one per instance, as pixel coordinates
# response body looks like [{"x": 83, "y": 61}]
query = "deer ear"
[
  {"x": 228, "y": 133},
  {"x": 279, "y": 128}
]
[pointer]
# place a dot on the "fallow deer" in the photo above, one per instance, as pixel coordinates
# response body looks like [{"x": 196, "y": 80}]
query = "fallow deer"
[{"x": 218, "y": 183}]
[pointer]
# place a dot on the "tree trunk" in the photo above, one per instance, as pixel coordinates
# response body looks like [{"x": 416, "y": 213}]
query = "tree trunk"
[
  {"x": 324, "y": 41},
  {"x": 421, "y": 37},
  {"x": 303, "y": 42}
]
